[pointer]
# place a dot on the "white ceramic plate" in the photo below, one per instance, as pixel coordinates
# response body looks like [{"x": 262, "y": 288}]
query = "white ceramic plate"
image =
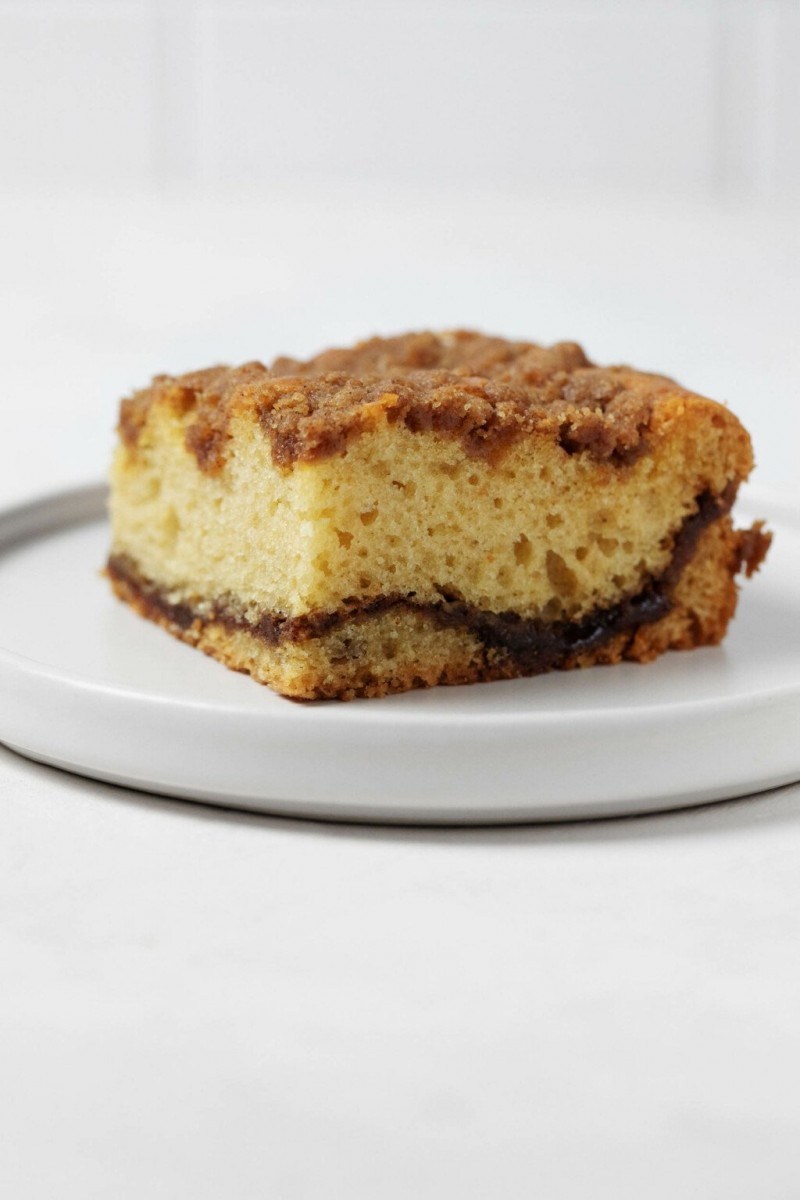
[{"x": 87, "y": 686}]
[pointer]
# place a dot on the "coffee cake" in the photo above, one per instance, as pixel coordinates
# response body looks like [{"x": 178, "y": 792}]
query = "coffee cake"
[{"x": 430, "y": 508}]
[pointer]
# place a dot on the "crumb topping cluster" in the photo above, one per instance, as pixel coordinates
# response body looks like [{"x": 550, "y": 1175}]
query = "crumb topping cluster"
[{"x": 486, "y": 391}]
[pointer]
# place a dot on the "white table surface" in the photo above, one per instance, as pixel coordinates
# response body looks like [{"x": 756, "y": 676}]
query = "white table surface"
[{"x": 203, "y": 1004}]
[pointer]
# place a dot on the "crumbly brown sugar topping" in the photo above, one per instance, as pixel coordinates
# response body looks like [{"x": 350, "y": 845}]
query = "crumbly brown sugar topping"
[{"x": 484, "y": 390}]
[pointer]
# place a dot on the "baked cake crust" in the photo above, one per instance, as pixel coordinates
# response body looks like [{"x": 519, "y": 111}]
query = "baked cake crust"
[
  {"x": 428, "y": 509},
  {"x": 483, "y": 390}
]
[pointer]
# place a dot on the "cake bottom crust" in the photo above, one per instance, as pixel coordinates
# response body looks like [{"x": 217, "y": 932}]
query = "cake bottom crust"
[{"x": 395, "y": 646}]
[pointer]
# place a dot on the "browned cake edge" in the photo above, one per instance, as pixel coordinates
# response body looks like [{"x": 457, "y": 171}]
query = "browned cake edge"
[{"x": 326, "y": 656}]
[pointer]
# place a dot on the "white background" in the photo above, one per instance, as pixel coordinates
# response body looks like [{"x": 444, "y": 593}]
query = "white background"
[
  {"x": 687, "y": 96},
  {"x": 196, "y": 1004}
]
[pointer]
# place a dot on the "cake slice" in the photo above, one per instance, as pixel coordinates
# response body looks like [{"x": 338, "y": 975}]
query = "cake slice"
[{"x": 428, "y": 509}]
